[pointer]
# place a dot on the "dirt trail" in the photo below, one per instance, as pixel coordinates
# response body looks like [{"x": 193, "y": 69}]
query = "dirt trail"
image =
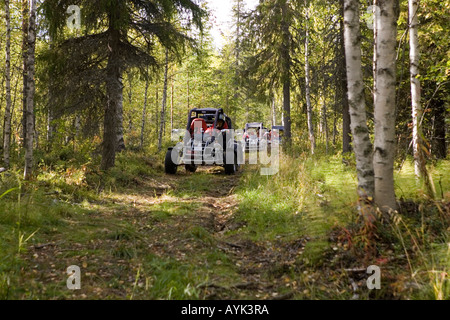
[
  {"x": 184, "y": 218},
  {"x": 260, "y": 267}
]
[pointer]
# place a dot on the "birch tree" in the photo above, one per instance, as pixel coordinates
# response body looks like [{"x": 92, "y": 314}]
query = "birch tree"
[
  {"x": 343, "y": 87},
  {"x": 312, "y": 139},
  {"x": 30, "y": 91},
  {"x": 7, "y": 123},
  {"x": 25, "y": 18},
  {"x": 415, "y": 85},
  {"x": 286, "y": 63},
  {"x": 385, "y": 114},
  {"x": 357, "y": 105},
  {"x": 420, "y": 168}
]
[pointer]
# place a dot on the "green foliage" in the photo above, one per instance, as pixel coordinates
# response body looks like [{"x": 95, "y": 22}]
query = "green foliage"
[
  {"x": 112, "y": 214},
  {"x": 173, "y": 281},
  {"x": 129, "y": 167}
]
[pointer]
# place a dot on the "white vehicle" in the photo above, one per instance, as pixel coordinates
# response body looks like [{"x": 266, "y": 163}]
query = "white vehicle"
[{"x": 253, "y": 137}]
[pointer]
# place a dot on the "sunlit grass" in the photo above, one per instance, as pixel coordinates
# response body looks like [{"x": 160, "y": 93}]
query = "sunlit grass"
[
  {"x": 311, "y": 195},
  {"x": 111, "y": 217},
  {"x": 407, "y": 186}
]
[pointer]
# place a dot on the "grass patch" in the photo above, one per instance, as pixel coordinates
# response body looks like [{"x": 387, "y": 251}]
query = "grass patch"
[
  {"x": 313, "y": 196},
  {"x": 138, "y": 234}
]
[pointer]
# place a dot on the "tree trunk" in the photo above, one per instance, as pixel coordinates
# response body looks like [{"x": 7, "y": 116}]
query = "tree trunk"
[
  {"x": 325, "y": 124},
  {"x": 415, "y": 87},
  {"x": 238, "y": 35},
  {"x": 164, "y": 100},
  {"x": 420, "y": 168},
  {"x": 130, "y": 102},
  {"x": 7, "y": 119},
  {"x": 30, "y": 92},
  {"x": 50, "y": 127},
  {"x": 274, "y": 112},
  {"x": 438, "y": 143},
  {"x": 171, "y": 108},
  {"x": 335, "y": 118},
  {"x": 51, "y": 105},
  {"x": 346, "y": 139},
  {"x": 375, "y": 54},
  {"x": 384, "y": 115},
  {"x": 156, "y": 113},
  {"x": 357, "y": 105},
  {"x": 25, "y": 13},
  {"x": 286, "y": 78},
  {"x": 114, "y": 95},
  {"x": 119, "y": 122},
  {"x": 144, "y": 112},
  {"x": 237, "y": 53},
  {"x": 312, "y": 138},
  {"x": 287, "y": 110},
  {"x": 77, "y": 126},
  {"x": 188, "y": 92}
]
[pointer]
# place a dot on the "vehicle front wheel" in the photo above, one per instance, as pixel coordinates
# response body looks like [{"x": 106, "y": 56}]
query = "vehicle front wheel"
[
  {"x": 169, "y": 166},
  {"x": 231, "y": 168},
  {"x": 191, "y": 168}
]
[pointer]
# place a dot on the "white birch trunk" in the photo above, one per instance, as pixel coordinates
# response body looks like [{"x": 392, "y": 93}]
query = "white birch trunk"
[
  {"x": 415, "y": 84},
  {"x": 7, "y": 123},
  {"x": 375, "y": 55},
  {"x": 25, "y": 22},
  {"x": 30, "y": 92},
  {"x": 420, "y": 168},
  {"x": 384, "y": 115},
  {"x": 307, "y": 89},
  {"x": 357, "y": 104}
]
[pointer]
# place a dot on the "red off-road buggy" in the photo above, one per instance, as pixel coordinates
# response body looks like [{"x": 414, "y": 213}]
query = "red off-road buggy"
[{"x": 209, "y": 141}]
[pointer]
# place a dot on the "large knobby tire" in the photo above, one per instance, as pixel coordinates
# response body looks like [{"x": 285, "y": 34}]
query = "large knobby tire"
[
  {"x": 232, "y": 167},
  {"x": 191, "y": 167},
  {"x": 169, "y": 166}
]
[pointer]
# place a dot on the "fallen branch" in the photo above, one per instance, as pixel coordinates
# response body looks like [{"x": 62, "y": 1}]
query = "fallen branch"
[
  {"x": 286, "y": 296},
  {"x": 233, "y": 245},
  {"x": 356, "y": 270},
  {"x": 41, "y": 246}
]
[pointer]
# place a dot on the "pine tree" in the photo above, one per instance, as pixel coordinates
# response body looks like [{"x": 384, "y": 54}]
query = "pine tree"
[
  {"x": 99, "y": 58},
  {"x": 271, "y": 64}
]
